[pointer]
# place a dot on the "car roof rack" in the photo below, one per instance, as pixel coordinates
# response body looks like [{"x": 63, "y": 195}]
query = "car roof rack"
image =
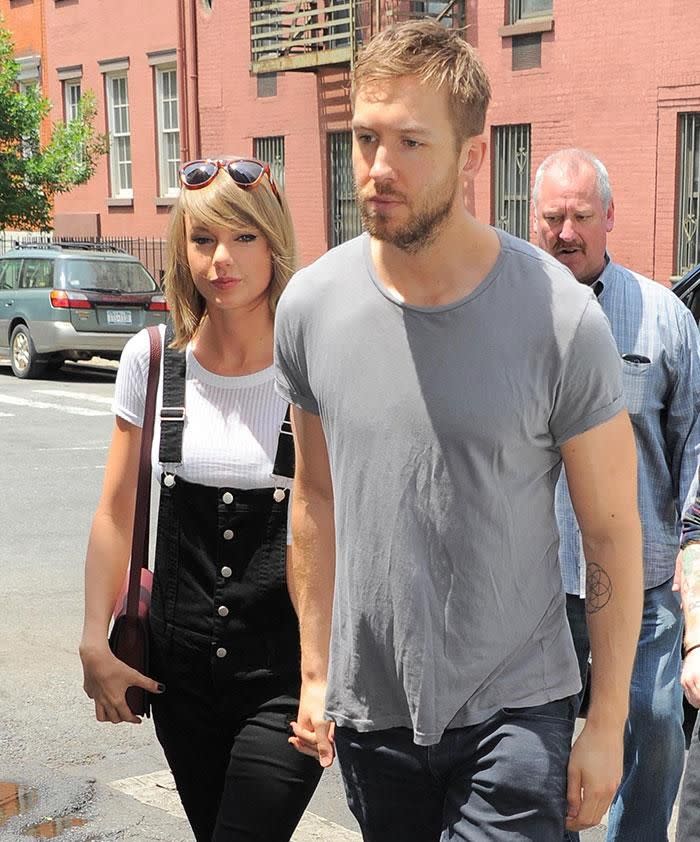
[{"x": 78, "y": 245}]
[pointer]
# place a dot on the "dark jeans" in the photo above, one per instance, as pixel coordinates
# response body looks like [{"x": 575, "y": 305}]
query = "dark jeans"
[
  {"x": 688, "y": 829},
  {"x": 238, "y": 778},
  {"x": 503, "y": 779},
  {"x": 654, "y": 740}
]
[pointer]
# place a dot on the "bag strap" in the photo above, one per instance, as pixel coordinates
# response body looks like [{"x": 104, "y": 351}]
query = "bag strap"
[{"x": 142, "y": 509}]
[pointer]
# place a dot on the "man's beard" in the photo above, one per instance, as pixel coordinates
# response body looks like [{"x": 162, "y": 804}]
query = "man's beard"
[{"x": 421, "y": 229}]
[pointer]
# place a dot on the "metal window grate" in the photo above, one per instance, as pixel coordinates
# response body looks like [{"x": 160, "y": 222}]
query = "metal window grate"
[
  {"x": 344, "y": 215},
  {"x": 511, "y": 179},
  {"x": 526, "y": 51},
  {"x": 271, "y": 151},
  {"x": 688, "y": 209},
  {"x": 267, "y": 84}
]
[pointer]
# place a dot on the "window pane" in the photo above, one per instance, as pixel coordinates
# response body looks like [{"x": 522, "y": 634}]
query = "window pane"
[{"x": 534, "y": 8}]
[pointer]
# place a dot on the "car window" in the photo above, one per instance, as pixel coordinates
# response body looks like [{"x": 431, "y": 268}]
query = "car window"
[
  {"x": 102, "y": 274},
  {"x": 693, "y": 302},
  {"x": 37, "y": 273},
  {"x": 9, "y": 273}
]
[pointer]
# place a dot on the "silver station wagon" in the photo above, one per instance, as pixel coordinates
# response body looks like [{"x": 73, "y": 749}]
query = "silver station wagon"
[{"x": 72, "y": 302}]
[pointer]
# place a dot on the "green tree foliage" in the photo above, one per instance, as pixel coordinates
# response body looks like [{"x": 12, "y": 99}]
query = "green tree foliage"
[{"x": 32, "y": 174}]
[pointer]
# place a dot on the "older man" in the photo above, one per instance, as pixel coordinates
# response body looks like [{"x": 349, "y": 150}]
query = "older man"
[{"x": 659, "y": 345}]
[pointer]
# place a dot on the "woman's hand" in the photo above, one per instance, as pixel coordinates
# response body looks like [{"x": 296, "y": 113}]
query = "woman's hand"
[{"x": 105, "y": 681}]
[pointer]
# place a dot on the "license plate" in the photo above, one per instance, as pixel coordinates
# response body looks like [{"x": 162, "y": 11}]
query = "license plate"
[{"x": 118, "y": 317}]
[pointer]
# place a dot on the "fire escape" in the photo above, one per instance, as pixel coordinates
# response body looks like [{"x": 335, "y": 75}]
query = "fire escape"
[{"x": 305, "y": 35}]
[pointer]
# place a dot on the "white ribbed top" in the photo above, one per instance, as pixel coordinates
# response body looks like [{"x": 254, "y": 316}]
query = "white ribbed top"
[{"x": 232, "y": 424}]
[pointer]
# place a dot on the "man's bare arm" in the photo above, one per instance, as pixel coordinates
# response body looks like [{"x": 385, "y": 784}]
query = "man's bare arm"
[
  {"x": 601, "y": 470},
  {"x": 690, "y": 590},
  {"x": 311, "y": 580}
]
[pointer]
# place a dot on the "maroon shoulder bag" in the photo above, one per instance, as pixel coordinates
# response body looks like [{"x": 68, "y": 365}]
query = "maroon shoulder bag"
[{"x": 129, "y": 636}]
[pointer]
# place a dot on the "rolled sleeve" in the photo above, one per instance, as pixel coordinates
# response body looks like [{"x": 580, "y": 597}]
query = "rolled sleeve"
[
  {"x": 589, "y": 390},
  {"x": 291, "y": 372}
]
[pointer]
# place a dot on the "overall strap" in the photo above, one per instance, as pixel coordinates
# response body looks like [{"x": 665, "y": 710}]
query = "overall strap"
[
  {"x": 284, "y": 460},
  {"x": 172, "y": 413}
]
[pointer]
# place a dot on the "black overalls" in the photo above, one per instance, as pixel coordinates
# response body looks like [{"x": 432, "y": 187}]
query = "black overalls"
[{"x": 225, "y": 642}]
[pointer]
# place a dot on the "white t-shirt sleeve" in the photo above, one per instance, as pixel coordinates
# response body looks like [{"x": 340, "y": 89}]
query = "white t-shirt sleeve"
[{"x": 132, "y": 375}]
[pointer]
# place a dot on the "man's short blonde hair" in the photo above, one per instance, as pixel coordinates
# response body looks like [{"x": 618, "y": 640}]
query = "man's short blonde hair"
[{"x": 438, "y": 57}]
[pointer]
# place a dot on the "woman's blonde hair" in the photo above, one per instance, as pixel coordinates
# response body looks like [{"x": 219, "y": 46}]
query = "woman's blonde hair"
[{"x": 224, "y": 204}]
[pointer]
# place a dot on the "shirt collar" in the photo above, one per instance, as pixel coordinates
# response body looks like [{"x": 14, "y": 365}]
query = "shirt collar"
[{"x": 598, "y": 285}]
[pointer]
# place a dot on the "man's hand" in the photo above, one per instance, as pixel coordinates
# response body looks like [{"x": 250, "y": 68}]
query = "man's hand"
[
  {"x": 313, "y": 735},
  {"x": 595, "y": 769},
  {"x": 690, "y": 677}
]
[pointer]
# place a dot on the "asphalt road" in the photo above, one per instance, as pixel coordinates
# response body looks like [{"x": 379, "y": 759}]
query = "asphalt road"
[
  {"x": 57, "y": 764},
  {"x": 55, "y": 759}
]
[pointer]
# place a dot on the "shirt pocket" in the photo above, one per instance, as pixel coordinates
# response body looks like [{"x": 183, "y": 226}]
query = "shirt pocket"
[{"x": 636, "y": 384}]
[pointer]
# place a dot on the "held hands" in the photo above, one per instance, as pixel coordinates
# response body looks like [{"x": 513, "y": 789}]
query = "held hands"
[
  {"x": 595, "y": 769},
  {"x": 105, "y": 681},
  {"x": 312, "y": 734},
  {"x": 690, "y": 677}
]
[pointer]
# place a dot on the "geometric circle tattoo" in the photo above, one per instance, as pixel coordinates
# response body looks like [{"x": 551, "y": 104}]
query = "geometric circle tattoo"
[{"x": 598, "y": 588}]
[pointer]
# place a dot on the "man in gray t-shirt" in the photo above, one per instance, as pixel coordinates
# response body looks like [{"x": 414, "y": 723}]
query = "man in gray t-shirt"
[{"x": 440, "y": 371}]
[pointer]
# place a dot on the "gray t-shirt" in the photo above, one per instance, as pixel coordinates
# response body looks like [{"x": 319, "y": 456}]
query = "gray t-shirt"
[{"x": 443, "y": 427}]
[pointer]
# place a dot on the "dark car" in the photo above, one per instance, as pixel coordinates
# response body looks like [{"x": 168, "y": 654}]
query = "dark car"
[
  {"x": 688, "y": 290},
  {"x": 72, "y": 301}
]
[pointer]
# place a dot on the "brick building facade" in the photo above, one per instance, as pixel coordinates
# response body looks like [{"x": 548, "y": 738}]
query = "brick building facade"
[{"x": 271, "y": 78}]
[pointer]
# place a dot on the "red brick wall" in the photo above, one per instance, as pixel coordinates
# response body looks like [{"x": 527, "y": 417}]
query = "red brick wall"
[
  {"x": 90, "y": 31},
  {"x": 24, "y": 20},
  {"x": 613, "y": 79},
  {"x": 232, "y": 115}
]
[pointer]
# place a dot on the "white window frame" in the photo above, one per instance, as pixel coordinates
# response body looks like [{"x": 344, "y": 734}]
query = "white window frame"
[
  {"x": 71, "y": 102},
  {"x": 168, "y": 135},
  {"x": 121, "y": 184}
]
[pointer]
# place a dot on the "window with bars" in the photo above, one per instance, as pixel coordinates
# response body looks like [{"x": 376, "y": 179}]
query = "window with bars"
[
  {"x": 168, "y": 130},
  {"x": 527, "y": 9},
  {"x": 688, "y": 207},
  {"x": 511, "y": 179},
  {"x": 344, "y": 215},
  {"x": 119, "y": 135},
  {"x": 271, "y": 151}
]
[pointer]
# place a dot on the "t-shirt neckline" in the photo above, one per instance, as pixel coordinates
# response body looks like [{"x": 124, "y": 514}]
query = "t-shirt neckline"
[
  {"x": 225, "y": 381},
  {"x": 441, "y": 308}
]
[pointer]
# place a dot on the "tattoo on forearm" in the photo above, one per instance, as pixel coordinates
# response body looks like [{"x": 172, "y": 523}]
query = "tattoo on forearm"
[{"x": 598, "y": 588}]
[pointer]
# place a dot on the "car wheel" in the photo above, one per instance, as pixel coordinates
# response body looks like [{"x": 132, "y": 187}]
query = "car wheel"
[{"x": 23, "y": 357}]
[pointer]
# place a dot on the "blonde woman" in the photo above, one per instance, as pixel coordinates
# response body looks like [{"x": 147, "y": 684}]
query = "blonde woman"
[{"x": 224, "y": 634}]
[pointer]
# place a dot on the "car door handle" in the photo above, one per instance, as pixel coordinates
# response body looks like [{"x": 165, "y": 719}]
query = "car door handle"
[{"x": 9, "y": 303}]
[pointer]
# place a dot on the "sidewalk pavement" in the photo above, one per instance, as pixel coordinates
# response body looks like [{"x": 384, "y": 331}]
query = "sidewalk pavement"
[{"x": 158, "y": 790}]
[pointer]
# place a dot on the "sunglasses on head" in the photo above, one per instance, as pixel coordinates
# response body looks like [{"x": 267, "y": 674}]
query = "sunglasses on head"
[{"x": 247, "y": 173}]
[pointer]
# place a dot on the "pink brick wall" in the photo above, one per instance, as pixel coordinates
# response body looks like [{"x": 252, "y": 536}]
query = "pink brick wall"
[
  {"x": 613, "y": 79},
  {"x": 89, "y": 31}
]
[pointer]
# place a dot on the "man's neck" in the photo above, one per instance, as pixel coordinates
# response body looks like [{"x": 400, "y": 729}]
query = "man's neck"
[{"x": 446, "y": 270}]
